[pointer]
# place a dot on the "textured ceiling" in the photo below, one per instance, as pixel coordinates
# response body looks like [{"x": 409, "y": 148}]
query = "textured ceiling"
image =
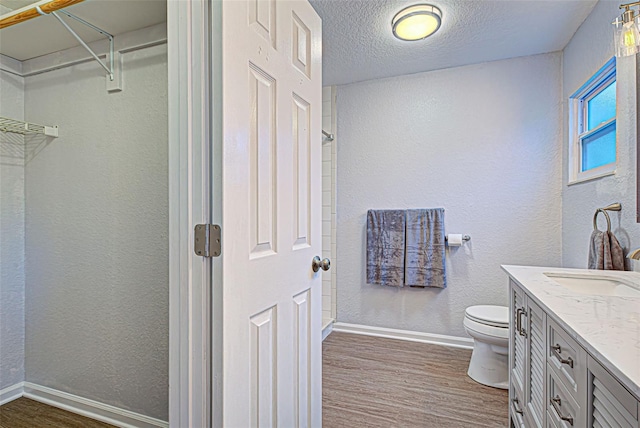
[{"x": 358, "y": 43}]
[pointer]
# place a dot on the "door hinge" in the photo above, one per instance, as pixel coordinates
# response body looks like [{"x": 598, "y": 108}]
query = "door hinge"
[{"x": 207, "y": 240}]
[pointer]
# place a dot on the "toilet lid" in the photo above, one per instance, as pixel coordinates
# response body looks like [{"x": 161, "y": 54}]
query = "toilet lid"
[{"x": 497, "y": 316}]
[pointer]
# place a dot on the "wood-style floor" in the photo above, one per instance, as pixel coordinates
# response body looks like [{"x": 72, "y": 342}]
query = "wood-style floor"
[
  {"x": 368, "y": 382},
  {"x": 375, "y": 382},
  {"x": 26, "y": 413}
]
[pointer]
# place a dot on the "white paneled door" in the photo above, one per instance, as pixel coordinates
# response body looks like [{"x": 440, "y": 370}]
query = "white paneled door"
[{"x": 271, "y": 59}]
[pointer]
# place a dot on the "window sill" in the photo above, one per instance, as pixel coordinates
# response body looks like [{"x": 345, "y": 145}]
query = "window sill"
[{"x": 591, "y": 177}]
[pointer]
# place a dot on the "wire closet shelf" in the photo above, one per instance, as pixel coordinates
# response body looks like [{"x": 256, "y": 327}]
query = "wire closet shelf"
[{"x": 26, "y": 128}]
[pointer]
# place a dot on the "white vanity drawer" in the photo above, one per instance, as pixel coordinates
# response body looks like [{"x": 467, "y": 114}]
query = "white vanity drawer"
[
  {"x": 566, "y": 359},
  {"x": 562, "y": 407}
]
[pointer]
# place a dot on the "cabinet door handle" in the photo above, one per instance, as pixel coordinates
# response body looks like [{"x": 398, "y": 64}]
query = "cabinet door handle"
[
  {"x": 519, "y": 313},
  {"x": 557, "y": 350},
  {"x": 556, "y": 402},
  {"x": 516, "y": 406}
]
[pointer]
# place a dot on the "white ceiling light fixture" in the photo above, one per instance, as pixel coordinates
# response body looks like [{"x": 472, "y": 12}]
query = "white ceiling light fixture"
[
  {"x": 627, "y": 31},
  {"x": 416, "y": 22}
]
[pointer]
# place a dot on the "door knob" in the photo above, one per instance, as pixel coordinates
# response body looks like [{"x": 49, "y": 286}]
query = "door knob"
[{"x": 318, "y": 264}]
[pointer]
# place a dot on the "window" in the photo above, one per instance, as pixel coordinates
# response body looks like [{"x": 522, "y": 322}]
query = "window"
[{"x": 592, "y": 116}]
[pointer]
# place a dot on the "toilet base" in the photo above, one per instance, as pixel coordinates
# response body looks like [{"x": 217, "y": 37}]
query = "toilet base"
[{"x": 489, "y": 365}]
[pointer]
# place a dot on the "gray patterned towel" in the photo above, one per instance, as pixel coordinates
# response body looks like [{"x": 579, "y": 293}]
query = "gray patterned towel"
[
  {"x": 425, "y": 249},
  {"x": 605, "y": 252},
  {"x": 385, "y": 247}
]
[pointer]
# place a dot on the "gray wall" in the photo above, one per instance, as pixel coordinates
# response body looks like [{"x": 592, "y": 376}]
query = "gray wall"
[
  {"x": 11, "y": 231},
  {"x": 96, "y": 235},
  {"x": 482, "y": 141},
  {"x": 589, "y": 49}
]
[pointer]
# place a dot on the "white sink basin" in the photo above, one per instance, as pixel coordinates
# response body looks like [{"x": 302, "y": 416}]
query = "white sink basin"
[{"x": 594, "y": 284}]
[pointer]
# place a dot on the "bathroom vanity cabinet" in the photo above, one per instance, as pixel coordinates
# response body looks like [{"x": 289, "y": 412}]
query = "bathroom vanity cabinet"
[
  {"x": 554, "y": 382},
  {"x": 527, "y": 340}
]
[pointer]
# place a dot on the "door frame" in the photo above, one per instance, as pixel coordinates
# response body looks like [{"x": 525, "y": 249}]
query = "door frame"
[{"x": 190, "y": 203}]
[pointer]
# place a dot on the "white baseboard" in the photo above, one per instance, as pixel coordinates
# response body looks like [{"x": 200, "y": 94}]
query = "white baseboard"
[
  {"x": 11, "y": 393},
  {"x": 90, "y": 408},
  {"x": 411, "y": 336},
  {"x": 327, "y": 328}
]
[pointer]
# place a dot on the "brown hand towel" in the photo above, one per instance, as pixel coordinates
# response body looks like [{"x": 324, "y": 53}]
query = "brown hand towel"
[{"x": 605, "y": 252}]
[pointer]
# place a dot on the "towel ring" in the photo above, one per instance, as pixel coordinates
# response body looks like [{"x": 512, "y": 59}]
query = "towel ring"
[
  {"x": 595, "y": 219},
  {"x": 616, "y": 206}
]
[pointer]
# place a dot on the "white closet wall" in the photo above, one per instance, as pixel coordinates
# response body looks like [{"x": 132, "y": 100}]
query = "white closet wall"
[
  {"x": 12, "y": 208},
  {"x": 97, "y": 234}
]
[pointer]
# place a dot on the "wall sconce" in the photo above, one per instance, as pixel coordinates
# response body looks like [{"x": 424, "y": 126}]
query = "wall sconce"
[{"x": 627, "y": 31}]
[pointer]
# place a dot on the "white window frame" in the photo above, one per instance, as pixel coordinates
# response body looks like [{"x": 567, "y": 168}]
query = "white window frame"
[{"x": 578, "y": 105}]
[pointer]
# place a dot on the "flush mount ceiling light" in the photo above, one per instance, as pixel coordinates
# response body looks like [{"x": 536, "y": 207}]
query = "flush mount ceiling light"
[
  {"x": 416, "y": 22},
  {"x": 627, "y": 31}
]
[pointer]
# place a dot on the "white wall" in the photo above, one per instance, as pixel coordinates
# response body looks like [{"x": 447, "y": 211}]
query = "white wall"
[
  {"x": 11, "y": 230},
  {"x": 589, "y": 49},
  {"x": 96, "y": 235},
  {"x": 482, "y": 141}
]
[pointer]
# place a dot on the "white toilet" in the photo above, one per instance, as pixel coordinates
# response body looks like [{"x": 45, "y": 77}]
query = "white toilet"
[{"x": 489, "y": 327}]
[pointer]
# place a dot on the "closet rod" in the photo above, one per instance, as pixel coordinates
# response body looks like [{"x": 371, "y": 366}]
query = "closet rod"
[{"x": 31, "y": 11}]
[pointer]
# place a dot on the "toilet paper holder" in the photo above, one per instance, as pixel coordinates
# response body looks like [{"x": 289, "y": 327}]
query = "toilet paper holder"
[{"x": 465, "y": 238}]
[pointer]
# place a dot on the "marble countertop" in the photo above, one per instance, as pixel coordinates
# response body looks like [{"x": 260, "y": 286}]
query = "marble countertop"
[{"x": 607, "y": 327}]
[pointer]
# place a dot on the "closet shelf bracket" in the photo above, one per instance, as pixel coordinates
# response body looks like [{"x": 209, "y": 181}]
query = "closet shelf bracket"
[
  {"x": 26, "y": 128},
  {"x": 109, "y": 68}
]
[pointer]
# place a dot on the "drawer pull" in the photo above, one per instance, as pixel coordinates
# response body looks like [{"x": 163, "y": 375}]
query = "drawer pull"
[
  {"x": 558, "y": 350},
  {"x": 519, "y": 313},
  {"x": 556, "y": 402},
  {"x": 516, "y": 406}
]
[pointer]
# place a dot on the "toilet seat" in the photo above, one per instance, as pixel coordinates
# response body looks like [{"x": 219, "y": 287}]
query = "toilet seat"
[{"x": 489, "y": 315}]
